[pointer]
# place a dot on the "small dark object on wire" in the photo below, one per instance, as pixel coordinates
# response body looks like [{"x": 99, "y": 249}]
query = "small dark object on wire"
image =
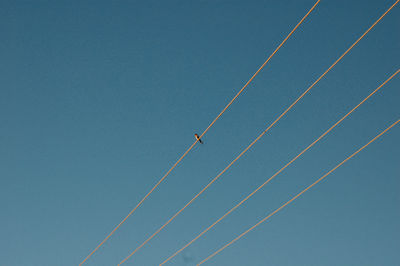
[{"x": 198, "y": 138}]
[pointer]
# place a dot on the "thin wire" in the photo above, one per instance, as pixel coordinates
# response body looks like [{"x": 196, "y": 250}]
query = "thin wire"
[
  {"x": 256, "y": 140},
  {"x": 298, "y": 195},
  {"x": 205, "y": 131},
  {"x": 280, "y": 170},
  {"x": 263, "y": 65}
]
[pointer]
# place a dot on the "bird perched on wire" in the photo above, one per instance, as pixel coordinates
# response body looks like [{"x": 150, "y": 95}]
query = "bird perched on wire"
[{"x": 198, "y": 138}]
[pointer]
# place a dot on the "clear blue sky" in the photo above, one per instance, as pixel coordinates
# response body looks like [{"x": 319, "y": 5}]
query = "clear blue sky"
[{"x": 98, "y": 99}]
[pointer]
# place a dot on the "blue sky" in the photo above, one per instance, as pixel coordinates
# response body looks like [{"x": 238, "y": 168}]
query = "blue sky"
[{"x": 98, "y": 99}]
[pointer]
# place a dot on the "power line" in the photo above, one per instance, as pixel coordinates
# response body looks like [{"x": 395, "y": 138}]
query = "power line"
[
  {"x": 205, "y": 131},
  {"x": 257, "y": 139},
  {"x": 280, "y": 170},
  {"x": 298, "y": 195}
]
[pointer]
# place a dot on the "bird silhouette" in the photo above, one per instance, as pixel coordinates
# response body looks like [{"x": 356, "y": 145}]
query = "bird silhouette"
[{"x": 198, "y": 138}]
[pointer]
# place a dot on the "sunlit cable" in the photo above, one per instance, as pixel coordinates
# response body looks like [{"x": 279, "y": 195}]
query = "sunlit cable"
[
  {"x": 205, "y": 131},
  {"x": 280, "y": 170},
  {"x": 258, "y": 138},
  {"x": 298, "y": 195}
]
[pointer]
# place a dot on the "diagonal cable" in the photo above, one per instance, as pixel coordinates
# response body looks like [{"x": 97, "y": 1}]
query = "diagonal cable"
[
  {"x": 259, "y": 137},
  {"x": 204, "y": 132},
  {"x": 280, "y": 170},
  {"x": 298, "y": 195}
]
